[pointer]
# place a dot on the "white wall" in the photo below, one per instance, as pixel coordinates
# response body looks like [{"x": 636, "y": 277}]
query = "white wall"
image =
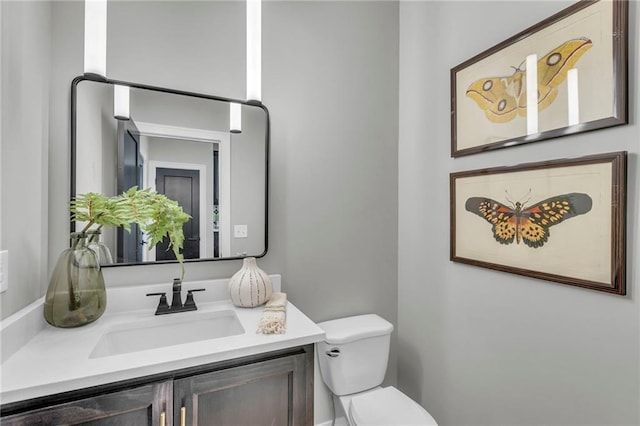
[{"x": 479, "y": 347}]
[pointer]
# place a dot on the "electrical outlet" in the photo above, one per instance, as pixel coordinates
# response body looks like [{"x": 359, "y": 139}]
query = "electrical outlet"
[
  {"x": 240, "y": 231},
  {"x": 4, "y": 270}
]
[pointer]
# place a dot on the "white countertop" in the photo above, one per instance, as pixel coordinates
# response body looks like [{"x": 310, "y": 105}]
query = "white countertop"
[{"x": 53, "y": 360}]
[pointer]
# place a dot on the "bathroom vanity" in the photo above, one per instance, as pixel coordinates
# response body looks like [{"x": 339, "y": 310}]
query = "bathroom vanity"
[
  {"x": 272, "y": 388},
  {"x": 115, "y": 371}
]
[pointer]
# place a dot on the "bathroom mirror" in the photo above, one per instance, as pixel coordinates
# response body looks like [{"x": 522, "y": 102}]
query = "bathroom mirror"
[{"x": 179, "y": 144}]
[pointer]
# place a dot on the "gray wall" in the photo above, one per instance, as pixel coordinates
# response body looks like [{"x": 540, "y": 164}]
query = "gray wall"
[
  {"x": 330, "y": 81},
  {"x": 479, "y": 347},
  {"x": 474, "y": 346},
  {"x": 248, "y": 182},
  {"x": 26, "y": 30},
  {"x": 177, "y": 110},
  {"x": 96, "y": 136}
]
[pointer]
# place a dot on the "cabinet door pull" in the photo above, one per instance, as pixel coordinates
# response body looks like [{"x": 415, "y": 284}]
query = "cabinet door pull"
[
  {"x": 163, "y": 419},
  {"x": 183, "y": 416}
]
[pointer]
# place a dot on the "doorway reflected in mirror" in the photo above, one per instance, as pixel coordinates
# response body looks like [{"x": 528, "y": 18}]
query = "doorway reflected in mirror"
[{"x": 178, "y": 144}]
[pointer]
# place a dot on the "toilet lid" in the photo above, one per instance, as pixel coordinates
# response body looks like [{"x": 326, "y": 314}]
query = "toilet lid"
[{"x": 388, "y": 406}]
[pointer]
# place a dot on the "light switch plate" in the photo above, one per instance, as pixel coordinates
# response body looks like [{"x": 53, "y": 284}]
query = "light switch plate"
[
  {"x": 240, "y": 231},
  {"x": 4, "y": 270}
]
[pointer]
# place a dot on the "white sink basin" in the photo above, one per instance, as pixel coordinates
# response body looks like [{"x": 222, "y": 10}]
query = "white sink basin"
[{"x": 167, "y": 330}]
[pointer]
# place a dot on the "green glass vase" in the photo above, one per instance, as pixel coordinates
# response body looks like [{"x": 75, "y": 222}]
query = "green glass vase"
[
  {"x": 100, "y": 248},
  {"x": 76, "y": 295}
]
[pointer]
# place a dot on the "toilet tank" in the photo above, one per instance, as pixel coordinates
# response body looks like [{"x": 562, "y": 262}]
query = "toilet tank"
[{"x": 354, "y": 354}]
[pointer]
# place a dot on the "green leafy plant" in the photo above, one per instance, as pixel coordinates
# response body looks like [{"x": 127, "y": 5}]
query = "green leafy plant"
[{"x": 157, "y": 215}]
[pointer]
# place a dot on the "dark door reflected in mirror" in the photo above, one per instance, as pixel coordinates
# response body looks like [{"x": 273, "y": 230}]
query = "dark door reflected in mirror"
[
  {"x": 178, "y": 144},
  {"x": 183, "y": 186}
]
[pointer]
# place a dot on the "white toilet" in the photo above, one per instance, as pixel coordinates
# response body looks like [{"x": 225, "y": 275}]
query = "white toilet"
[{"x": 353, "y": 361}]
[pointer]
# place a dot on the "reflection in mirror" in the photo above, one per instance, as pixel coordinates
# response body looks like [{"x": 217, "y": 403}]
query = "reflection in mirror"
[{"x": 178, "y": 144}]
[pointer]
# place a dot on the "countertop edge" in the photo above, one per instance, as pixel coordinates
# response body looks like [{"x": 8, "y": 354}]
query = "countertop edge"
[
  {"x": 48, "y": 389},
  {"x": 28, "y": 327}
]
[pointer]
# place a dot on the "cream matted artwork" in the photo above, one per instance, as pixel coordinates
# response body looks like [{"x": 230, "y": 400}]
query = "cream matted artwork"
[
  {"x": 560, "y": 220},
  {"x": 564, "y": 75}
]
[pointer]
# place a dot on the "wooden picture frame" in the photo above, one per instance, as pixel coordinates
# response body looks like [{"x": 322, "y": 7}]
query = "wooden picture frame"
[
  {"x": 488, "y": 92},
  {"x": 561, "y": 220}
]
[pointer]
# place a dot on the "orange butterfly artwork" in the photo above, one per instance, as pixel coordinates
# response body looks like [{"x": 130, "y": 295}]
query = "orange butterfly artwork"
[{"x": 528, "y": 224}]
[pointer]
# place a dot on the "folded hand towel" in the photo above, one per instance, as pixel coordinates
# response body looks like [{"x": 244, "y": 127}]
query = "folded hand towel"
[{"x": 274, "y": 317}]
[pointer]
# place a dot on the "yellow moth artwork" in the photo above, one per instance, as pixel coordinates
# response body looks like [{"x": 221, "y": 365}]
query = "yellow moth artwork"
[{"x": 504, "y": 98}]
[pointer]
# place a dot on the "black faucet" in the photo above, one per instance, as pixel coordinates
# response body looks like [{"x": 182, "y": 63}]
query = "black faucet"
[{"x": 176, "y": 301}]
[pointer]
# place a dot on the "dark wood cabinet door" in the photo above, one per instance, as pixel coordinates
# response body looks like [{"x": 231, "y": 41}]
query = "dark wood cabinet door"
[
  {"x": 144, "y": 405},
  {"x": 270, "y": 392},
  {"x": 275, "y": 388}
]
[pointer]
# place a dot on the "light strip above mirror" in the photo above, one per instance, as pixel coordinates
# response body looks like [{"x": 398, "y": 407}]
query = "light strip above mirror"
[
  {"x": 95, "y": 37},
  {"x": 121, "y": 102},
  {"x": 235, "y": 118},
  {"x": 254, "y": 50}
]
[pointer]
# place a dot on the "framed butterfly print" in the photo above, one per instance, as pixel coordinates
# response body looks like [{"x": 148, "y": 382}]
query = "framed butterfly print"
[
  {"x": 566, "y": 74},
  {"x": 561, "y": 221}
]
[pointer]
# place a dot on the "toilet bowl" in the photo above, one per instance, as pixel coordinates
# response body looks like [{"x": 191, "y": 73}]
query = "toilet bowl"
[
  {"x": 385, "y": 407},
  {"x": 353, "y": 360}
]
